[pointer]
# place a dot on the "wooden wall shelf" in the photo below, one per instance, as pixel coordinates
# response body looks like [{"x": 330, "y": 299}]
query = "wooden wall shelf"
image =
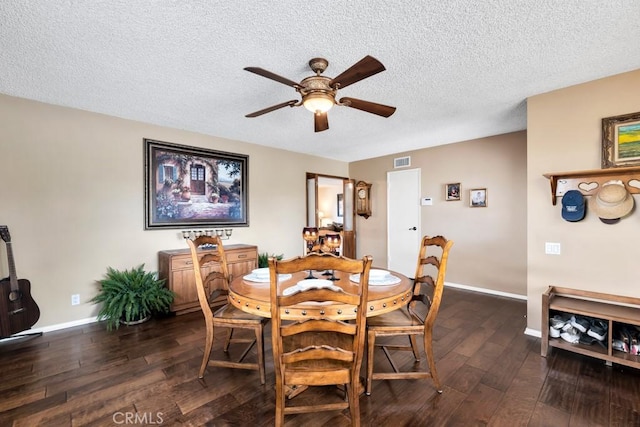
[{"x": 589, "y": 181}]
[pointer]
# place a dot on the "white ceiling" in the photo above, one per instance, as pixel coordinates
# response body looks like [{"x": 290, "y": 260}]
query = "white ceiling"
[{"x": 456, "y": 70}]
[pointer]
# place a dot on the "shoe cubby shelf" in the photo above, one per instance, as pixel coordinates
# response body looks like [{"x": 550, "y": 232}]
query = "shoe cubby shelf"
[
  {"x": 615, "y": 310},
  {"x": 589, "y": 181}
]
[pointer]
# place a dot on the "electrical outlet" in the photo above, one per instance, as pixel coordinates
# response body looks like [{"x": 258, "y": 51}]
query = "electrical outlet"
[
  {"x": 552, "y": 248},
  {"x": 75, "y": 299}
]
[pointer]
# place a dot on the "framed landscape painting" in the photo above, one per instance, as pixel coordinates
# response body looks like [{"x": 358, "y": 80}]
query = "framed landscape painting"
[
  {"x": 621, "y": 141},
  {"x": 194, "y": 187}
]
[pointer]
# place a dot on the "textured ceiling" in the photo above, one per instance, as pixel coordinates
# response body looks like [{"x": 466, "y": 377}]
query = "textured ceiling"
[{"x": 456, "y": 70}]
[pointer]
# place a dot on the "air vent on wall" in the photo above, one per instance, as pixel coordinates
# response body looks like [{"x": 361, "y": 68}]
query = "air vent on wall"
[{"x": 402, "y": 162}]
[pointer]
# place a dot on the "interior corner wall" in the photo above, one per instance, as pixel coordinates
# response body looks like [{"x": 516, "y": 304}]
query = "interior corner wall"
[
  {"x": 564, "y": 133},
  {"x": 73, "y": 198},
  {"x": 490, "y": 243}
]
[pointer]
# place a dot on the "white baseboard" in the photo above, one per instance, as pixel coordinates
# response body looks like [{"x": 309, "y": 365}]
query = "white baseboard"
[
  {"x": 486, "y": 291},
  {"x": 58, "y": 326},
  {"x": 533, "y": 332}
]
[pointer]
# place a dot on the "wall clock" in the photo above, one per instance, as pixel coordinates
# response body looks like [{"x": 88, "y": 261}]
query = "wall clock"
[{"x": 363, "y": 199}]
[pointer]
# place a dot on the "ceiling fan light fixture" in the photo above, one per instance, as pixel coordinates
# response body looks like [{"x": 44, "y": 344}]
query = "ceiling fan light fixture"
[{"x": 318, "y": 102}]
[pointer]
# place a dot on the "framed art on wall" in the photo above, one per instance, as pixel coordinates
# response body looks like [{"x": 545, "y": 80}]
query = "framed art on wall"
[
  {"x": 478, "y": 198},
  {"x": 452, "y": 191},
  {"x": 194, "y": 187},
  {"x": 621, "y": 141}
]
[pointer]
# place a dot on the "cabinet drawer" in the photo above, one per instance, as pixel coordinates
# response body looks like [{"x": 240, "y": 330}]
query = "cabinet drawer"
[
  {"x": 181, "y": 263},
  {"x": 235, "y": 256}
]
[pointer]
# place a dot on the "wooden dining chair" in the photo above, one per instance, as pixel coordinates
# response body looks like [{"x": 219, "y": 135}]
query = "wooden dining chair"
[
  {"x": 320, "y": 350},
  {"x": 427, "y": 290},
  {"x": 216, "y": 275}
]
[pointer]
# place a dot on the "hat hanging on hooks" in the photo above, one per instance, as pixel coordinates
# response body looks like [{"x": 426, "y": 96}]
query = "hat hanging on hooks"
[{"x": 612, "y": 202}]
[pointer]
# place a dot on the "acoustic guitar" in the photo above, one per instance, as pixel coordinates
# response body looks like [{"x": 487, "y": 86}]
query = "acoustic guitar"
[{"x": 18, "y": 310}]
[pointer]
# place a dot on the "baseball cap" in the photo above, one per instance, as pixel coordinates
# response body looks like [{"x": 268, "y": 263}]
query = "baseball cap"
[{"x": 573, "y": 206}]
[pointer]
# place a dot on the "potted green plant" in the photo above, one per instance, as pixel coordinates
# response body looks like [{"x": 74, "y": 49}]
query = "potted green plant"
[
  {"x": 131, "y": 296},
  {"x": 263, "y": 259}
]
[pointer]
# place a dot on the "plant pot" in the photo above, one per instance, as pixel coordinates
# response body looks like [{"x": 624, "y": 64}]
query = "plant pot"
[{"x": 135, "y": 322}]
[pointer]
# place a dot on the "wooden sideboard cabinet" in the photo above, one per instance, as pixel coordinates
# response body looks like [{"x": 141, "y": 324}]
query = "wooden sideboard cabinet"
[
  {"x": 615, "y": 310},
  {"x": 176, "y": 267}
]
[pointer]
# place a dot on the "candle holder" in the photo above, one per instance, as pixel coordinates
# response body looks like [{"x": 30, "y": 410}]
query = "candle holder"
[
  {"x": 310, "y": 235},
  {"x": 223, "y": 234},
  {"x": 333, "y": 242}
]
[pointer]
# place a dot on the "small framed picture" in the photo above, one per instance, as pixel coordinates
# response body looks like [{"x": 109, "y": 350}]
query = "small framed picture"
[
  {"x": 452, "y": 191},
  {"x": 478, "y": 198}
]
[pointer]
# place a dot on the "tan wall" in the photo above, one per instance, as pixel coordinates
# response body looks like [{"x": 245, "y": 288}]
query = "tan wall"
[
  {"x": 73, "y": 200},
  {"x": 72, "y": 196},
  {"x": 490, "y": 243},
  {"x": 564, "y": 134}
]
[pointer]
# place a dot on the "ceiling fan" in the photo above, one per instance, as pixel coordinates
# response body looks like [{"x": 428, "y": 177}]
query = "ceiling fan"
[{"x": 319, "y": 92}]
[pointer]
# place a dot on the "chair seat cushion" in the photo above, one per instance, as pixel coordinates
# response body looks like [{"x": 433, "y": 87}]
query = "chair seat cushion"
[{"x": 395, "y": 318}]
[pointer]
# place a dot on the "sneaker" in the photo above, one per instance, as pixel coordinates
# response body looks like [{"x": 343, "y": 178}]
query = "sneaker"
[
  {"x": 571, "y": 335},
  {"x": 589, "y": 340},
  {"x": 598, "y": 329},
  {"x": 580, "y": 323},
  {"x": 620, "y": 346},
  {"x": 559, "y": 320},
  {"x": 553, "y": 332},
  {"x": 567, "y": 325}
]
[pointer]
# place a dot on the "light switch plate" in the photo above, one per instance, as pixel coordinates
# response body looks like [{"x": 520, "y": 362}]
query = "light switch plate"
[{"x": 552, "y": 248}]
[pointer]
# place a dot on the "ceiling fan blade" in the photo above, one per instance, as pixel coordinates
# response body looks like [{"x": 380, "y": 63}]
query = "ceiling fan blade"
[
  {"x": 366, "y": 67},
  {"x": 268, "y": 74},
  {"x": 321, "y": 121},
  {"x": 291, "y": 103},
  {"x": 369, "y": 107}
]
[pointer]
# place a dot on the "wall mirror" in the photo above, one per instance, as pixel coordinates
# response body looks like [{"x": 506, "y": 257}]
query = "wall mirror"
[{"x": 330, "y": 208}]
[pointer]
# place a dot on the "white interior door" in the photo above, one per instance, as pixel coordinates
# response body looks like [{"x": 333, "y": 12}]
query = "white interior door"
[{"x": 403, "y": 220}]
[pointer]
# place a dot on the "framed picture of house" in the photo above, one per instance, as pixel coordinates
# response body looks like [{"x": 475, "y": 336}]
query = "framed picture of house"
[
  {"x": 452, "y": 191},
  {"x": 621, "y": 141},
  {"x": 194, "y": 187},
  {"x": 478, "y": 198}
]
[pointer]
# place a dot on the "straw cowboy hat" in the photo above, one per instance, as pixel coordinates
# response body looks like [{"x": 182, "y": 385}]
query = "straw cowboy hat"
[{"x": 612, "y": 201}]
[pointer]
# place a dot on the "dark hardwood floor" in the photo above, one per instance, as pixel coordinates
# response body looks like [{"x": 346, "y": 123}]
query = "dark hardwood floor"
[{"x": 492, "y": 373}]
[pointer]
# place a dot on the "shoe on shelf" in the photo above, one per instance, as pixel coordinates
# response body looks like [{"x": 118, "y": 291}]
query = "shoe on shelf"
[
  {"x": 568, "y": 324},
  {"x": 559, "y": 320},
  {"x": 598, "y": 329},
  {"x": 620, "y": 346},
  {"x": 571, "y": 335},
  {"x": 581, "y": 323},
  {"x": 553, "y": 332},
  {"x": 589, "y": 340}
]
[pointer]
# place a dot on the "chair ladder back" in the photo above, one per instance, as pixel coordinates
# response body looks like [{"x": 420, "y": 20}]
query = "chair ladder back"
[
  {"x": 202, "y": 262},
  {"x": 318, "y": 351},
  {"x": 440, "y": 264}
]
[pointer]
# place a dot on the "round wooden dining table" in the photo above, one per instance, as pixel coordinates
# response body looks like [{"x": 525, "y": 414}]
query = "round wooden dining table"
[{"x": 254, "y": 297}]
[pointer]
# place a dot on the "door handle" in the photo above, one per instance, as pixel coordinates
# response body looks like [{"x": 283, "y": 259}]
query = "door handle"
[{"x": 413, "y": 228}]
